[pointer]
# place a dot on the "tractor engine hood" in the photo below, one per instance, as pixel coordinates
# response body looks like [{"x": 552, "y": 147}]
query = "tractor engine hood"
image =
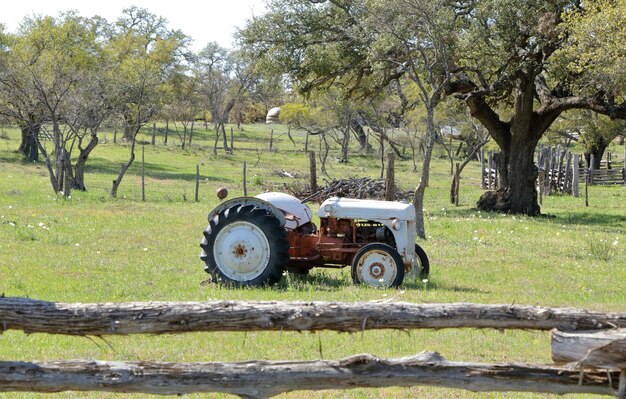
[{"x": 350, "y": 208}]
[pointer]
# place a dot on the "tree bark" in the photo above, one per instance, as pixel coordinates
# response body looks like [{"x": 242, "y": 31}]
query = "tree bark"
[
  {"x": 125, "y": 166},
  {"x": 357, "y": 126},
  {"x": 597, "y": 150},
  {"x": 418, "y": 196},
  {"x": 79, "y": 167},
  {"x": 28, "y": 145},
  {"x": 167, "y": 131},
  {"x": 33, "y": 316},
  {"x": 344, "y": 144},
  {"x": 517, "y": 192},
  {"x": 264, "y": 379}
]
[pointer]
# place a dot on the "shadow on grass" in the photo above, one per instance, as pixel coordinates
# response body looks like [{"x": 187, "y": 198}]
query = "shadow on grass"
[
  {"x": 153, "y": 170},
  {"x": 591, "y": 218},
  {"x": 434, "y": 285},
  {"x": 15, "y": 157},
  {"x": 325, "y": 282},
  {"x": 575, "y": 218},
  {"x": 319, "y": 281}
]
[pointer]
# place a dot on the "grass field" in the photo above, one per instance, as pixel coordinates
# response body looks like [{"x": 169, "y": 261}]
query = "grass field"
[{"x": 91, "y": 248}]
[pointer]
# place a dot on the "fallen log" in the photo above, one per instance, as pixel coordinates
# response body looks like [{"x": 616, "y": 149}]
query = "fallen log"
[
  {"x": 34, "y": 316},
  {"x": 590, "y": 349},
  {"x": 263, "y": 379}
]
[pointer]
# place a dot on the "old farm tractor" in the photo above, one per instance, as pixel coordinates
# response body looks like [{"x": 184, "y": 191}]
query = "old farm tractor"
[{"x": 251, "y": 241}]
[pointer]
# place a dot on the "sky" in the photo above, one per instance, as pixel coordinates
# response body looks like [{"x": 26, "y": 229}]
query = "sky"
[{"x": 204, "y": 20}]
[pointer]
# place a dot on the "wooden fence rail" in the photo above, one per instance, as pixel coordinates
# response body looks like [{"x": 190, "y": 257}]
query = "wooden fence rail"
[
  {"x": 594, "y": 366},
  {"x": 263, "y": 379},
  {"x": 34, "y": 316}
]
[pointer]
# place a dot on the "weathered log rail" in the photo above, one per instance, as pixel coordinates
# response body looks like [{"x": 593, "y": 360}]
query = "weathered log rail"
[
  {"x": 588, "y": 346},
  {"x": 263, "y": 379},
  {"x": 33, "y": 316}
]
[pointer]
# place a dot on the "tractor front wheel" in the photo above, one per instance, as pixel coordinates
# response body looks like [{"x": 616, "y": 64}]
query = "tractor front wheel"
[{"x": 378, "y": 265}]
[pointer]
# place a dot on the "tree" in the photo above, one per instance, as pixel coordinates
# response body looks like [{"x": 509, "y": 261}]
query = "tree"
[
  {"x": 50, "y": 59},
  {"x": 226, "y": 77},
  {"x": 88, "y": 106},
  {"x": 185, "y": 103},
  {"x": 512, "y": 79},
  {"x": 145, "y": 55}
]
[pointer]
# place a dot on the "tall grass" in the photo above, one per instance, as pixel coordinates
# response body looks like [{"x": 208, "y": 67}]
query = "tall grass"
[{"x": 91, "y": 248}]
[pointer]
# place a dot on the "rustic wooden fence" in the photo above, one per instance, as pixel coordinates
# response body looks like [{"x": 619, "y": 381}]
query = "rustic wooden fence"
[
  {"x": 560, "y": 171},
  {"x": 589, "y": 348}
]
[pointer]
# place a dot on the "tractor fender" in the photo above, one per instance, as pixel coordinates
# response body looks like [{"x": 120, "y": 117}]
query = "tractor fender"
[{"x": 257, "y": 202}]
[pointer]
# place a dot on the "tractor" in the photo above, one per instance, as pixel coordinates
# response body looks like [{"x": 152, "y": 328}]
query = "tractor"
[{"x": 252, "y": 241}]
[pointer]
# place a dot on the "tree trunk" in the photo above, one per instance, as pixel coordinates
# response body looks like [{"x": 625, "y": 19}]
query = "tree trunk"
[
  {"x": 191, "y": 132},
  {"x": 344, "y": 145},
  {"x": 418, "y": 197},
  {"x": 167, "y": 130},
  {"x": 597, "y": 150},
  {"x": 59, "y": 156},
  {"x": 217, "y": 138},
  {"x": 128, "y": 133},
  {"x": 225, "y": 139},
  {"x": 79, "y": 167},
  {"x": 125, "y": 166},
  {"x": 184, "y": 140},
  {"x": 517, "y": 192},
  {"x": 28, "y": 146},
  {"x": 366, "y": 148}
]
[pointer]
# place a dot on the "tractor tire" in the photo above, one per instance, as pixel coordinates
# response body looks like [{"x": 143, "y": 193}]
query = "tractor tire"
[
  {"x": 378, "y": 265},
  {"x": 245, "y": 246},
  {"x": 424, "y": 263}
]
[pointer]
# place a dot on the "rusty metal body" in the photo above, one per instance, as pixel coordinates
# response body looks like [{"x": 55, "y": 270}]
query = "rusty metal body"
[{"x": 334, "y": 243}]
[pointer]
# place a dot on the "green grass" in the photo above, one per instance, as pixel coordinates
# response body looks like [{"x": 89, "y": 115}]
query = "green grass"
[{"x": 91, "y": 248}]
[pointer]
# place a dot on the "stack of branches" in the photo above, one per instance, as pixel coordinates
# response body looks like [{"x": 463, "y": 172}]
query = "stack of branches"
[{"x": 362, "y": 188}]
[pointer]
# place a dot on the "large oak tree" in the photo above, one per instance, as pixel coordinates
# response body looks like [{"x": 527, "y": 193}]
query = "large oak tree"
[{"x": 502, "y": 59}]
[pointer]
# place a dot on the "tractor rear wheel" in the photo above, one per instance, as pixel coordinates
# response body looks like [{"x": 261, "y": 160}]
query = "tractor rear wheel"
[
  {"x": 378, "y": 265},
  {"x": 245, "y": 246}
]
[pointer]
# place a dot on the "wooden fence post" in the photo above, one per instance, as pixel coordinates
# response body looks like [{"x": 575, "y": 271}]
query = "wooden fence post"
[
  {"x": 197, "y": 181},
  {"x": 482, "y": 169},
  {"x": 489, "y": 167},
  {"x": 587, "y": 189},
  {"x": 272, "y": 140},
  {"x": 245, "y": 188},
  {"x": 457, "y": 184},
  {"x": 592, "y": 162},
  {"x": 312, "y": 171},
  {"x": 143, "y": 173},
  {"x": 541, "y": 184},
  {"x": 568, "y": 174},
  {"x": 576, "y": 177},
  {"x": 389, "y": 179},
  {"x": 232, "y": 147}
]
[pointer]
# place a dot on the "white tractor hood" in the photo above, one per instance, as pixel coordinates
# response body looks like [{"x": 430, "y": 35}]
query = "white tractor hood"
[{"x": 350, "y": 208}]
